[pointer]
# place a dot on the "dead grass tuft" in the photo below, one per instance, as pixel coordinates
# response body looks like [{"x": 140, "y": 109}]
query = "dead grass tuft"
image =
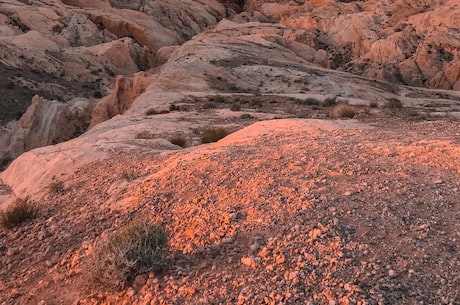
[
  {"x": 213, "y": 134},
  {"x": 134, "y": 249},
  {"x": 17, "y": 213},
  {"x": 393, "y": 103},
  {"x": 311, "y": 101},
  {"x": 344, "y": 111},
  {"x": 57, "y": 187},
  {"x": 179, "y": 141}
]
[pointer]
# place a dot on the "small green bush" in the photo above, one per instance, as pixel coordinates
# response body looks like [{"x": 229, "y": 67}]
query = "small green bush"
[
  {"x": 179, "y": 141},
  {"x": 134, "y": 249},
  {"x": 213, "y": 134},
  {"x": 344, "y": 111},
  {"x": 17, "y": 213}
]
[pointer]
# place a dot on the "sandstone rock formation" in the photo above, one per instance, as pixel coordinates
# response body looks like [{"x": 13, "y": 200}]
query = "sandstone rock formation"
[
  {"x": 50, "y": 122},
  {"x": 69, "y": 49},
  {"x": 410, "y": 42}
]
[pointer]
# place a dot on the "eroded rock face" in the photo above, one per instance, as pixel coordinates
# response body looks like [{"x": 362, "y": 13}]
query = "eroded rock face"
[
  {"x": 126, "y": 90},
  {"x": 76, "y": 48},
  {"x": 412, "y": 42},
  {"x": 90, "y": 42},
  {"x": 49, "y": 122}
]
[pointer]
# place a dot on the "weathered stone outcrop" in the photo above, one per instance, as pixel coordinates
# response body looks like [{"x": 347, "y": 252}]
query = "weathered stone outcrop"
[
  {"x": 410, "y": 42},
  {"x": 49, "y": 122},
  {"x": 76, "y": 48},
  {"x": 126, "y": 90}
]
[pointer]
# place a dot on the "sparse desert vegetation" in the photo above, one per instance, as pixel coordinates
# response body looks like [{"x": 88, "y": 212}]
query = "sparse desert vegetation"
[
  {"x": 329, "y": 102},
  {"x": 344, "y": 111},
  {"x": 179, "y": 140},
  {"x": 17, "y": 213},
  {"x": 393, "y": 103},
  {"x": 57, "y": 187},
  {"x": 129, "y": 174},
  {"x": 138, "y": 247},
  {"x": 308, "y": 102},
  {"x": 213, "y": 134}
]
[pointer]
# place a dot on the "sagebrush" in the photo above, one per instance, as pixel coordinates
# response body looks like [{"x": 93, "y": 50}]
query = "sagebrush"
[
  {"x": 344, "y": 111},
  {"x": 17, "y": 213},
  {"x": 57, "y": 187},
  {"x": 134, "y": 249},
  {"x": 179, "y": 140},
  {"x": 213, "y": 134}
]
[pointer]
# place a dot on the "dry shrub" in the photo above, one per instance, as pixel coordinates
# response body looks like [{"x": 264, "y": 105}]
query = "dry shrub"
[
  {"x": 213, "y": 134},
  {"x": 17, "y": 213},
  {"x": 235, "y": 107},
  {"x": 209, "y": 105},
  {"x": 393, "y": 103},
  {"x": 246, "y": 116},
  {"x": 129, "y": 175},
  {"x": 154, "y": 112},
  {"x": 344, "y": 111},
  {"x": 179, "y": 141},
  {"x": 174, "y": 107},
  {"x": 374, "y": 104},
  {"x": 311, "y": 101},
  {"x": 329, "y": 102},
  {"x": 134, "y": 249},
  {"x": 57, "y": 187}
]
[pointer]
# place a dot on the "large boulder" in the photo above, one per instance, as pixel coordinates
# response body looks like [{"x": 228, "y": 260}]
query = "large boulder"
[{"x": 49, "y": 122}]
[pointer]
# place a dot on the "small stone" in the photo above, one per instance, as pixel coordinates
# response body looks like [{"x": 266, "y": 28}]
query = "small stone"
[
  {"x": 254, "y": 247},
  {"x": 130, "y": 292},
  {"x": 227, "y": 240},
  {"x": 391, "y": 273},
  {"x": 292, "y": 276},
  {"x": 139, "y": 281},
  {"x": 191, "y": 290},
  {"x": 235, "y": 216},
  {"x": 248, "y": 261},
  {"x": 280, "y": 259},
  {"x": 314, "y": 234}
]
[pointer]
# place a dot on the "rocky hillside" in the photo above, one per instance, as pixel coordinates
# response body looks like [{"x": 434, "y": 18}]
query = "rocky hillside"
[
  {"x": 338, "y": 183},
  {"x": 284, "y": 211}
]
